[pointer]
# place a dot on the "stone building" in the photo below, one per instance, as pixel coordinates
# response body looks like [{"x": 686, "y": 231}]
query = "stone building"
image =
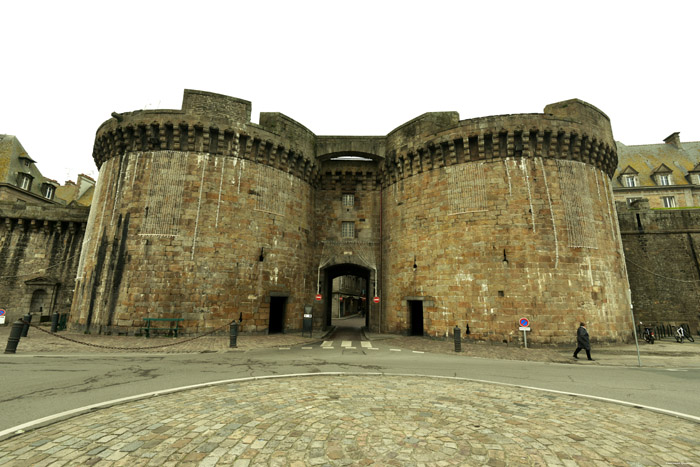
[
  {"x": 40, "y": 238},
  {"x": 201, "y": 214},
  {"x": 667, "y": 174}
]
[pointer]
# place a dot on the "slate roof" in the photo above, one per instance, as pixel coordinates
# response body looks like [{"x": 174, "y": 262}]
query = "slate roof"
[
  {"x": 646, "y": 159},
  {"x": 10, "y": 150}
]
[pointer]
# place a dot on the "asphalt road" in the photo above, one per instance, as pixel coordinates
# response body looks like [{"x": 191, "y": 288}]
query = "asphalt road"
[{"x": 35, "y": 386}]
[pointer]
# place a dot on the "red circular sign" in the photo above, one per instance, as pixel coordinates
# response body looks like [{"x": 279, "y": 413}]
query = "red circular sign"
[
  {"x": 524, "y": 322},
  {"x": 340, "y": 298},
  {"x": 318, "y": 297},
  {"x": 376, "y": 300}
]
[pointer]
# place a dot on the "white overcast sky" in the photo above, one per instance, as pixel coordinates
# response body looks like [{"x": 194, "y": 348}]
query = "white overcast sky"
[{"x": 343, "y": 68}]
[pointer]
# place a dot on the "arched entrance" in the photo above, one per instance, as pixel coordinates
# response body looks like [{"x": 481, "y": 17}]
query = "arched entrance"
[{"x": 356, "y": 297}]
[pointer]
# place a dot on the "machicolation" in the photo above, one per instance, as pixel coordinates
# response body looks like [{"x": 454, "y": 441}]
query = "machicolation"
[{"x": 201, "y": 214}]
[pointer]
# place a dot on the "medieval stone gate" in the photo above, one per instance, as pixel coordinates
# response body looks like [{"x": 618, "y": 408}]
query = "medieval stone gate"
[{"x": 203, "y": 215}]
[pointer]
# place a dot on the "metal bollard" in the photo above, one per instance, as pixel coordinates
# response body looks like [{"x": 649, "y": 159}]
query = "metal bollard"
[
  {"x": 233, "y": 335},
  {"x": 54, "y": 322},
  {"x": 15, "y": 334},
  {"x": 27, "y": 320},
  {"x": 458, "y": 339}
]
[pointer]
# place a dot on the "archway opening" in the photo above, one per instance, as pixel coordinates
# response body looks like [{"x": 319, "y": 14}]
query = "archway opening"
[{"x": 347, "y": 288}]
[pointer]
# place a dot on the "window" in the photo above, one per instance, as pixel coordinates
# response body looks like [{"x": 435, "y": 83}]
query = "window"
[
  {"x": 48, "y": 191},
  {"x": 695, "y": 179},
  {"x": 663, "y": 179},
  {"x": 348, "y": 230},
  {"x": 669, "y": 201},
  {"x": 630, "y": 180},
  {"x": 24, "y": 181},
  {"x": 348, "y": 200},
  {"x": 631, "y": 201}
]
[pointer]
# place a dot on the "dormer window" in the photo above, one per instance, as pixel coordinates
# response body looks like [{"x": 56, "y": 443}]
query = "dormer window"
[
  {"x": 663, "y": 179},
  {"x": 48, "y": 190},
  {"x": 26, "y": 160},
  {"x": 630, "y": 180},
  {"x": 24, "y": 181},
  {"x": 662, "y": 175}
]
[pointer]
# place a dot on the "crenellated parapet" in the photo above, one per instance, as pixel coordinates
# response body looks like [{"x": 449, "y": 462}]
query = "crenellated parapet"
[
  {"x": 572, "y": 130},
  {"x": 47, "y": 219},
  {"x": 223, "y": 129}
]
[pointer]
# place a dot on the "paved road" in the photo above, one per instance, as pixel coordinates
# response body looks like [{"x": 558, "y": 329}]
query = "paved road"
[{"x": 487, "y": 418}]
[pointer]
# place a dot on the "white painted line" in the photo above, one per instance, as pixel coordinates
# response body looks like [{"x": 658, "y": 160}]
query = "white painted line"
[
  {"x": 372, "y": 348},
  {"x": 395, "y": 350},
  {"x": 366, "y": 345},
  {"x": 283, "y": 348},
  {"x": 346, "y": 344},
  {"x": 417, "y": 351},
  {"x": 327, "y": 344},
  {"x": 327, "y": 348},
  {"x": 307, "y": 348}
]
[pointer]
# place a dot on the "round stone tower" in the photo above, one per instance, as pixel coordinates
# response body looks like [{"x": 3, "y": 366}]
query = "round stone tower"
[
  {"x": 196, "y": 211},
  {"x": 494, "y": 219}
]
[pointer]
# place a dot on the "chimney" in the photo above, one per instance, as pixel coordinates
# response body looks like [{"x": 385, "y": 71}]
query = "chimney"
[{"x": 674, "y": 139}]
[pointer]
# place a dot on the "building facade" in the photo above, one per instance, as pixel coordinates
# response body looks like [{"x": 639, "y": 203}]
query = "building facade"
[
  {"x": 201, "y": 214},
  {"x": 667, "y": 174},
  {"x": 40, "y": 238}
]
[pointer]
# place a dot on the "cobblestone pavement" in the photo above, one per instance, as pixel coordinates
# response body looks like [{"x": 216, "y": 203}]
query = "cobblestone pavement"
[{"x": 360, "y": 420}]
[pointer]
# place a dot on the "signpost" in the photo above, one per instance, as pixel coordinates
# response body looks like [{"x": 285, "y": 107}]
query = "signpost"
[{"x": 524, "y": 327}]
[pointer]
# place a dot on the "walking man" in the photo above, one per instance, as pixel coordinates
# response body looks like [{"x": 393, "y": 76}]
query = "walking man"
[{"x": 583, "y": 342}]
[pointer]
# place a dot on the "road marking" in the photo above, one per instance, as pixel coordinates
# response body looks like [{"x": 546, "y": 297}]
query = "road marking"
[
  {"x": 395, "y": 350},
  {"x": 346, "y": 344},
  {"x": 327, "y": 344},
  {"x": 307, "y": 348},
  {"x": 417, "y": 351},
  {"x": 283, "y": 348},
  {"x": 366, "y": 345}
]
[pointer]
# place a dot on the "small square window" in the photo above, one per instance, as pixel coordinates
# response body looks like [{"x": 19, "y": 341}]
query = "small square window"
[
  {"x": 348, "y": 200},
  {"x": 669, "y": 201},
  {"x": 348, "y": 230}
]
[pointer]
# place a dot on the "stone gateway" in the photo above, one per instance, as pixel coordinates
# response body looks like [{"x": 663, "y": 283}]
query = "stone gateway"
[{"x": 203, "y": 215}]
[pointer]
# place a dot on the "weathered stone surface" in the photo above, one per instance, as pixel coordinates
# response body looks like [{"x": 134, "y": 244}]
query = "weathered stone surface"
[{"x": 203, "y": 215}]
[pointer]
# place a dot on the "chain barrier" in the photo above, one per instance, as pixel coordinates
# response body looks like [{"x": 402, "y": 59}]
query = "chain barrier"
[{"x": 126, "y": 348}]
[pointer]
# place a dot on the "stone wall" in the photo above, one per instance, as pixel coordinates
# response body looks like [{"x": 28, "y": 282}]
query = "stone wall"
[
  {"x": 39, "y": 253},
  {"x": 202, "y": 215},
  {"x": 662, "y": 249}
]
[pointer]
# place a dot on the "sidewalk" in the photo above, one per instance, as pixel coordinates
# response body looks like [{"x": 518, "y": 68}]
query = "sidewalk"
[{"x": 665, "y": 353}]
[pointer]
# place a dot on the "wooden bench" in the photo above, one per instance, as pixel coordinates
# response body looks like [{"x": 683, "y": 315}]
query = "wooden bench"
[{"x": 148, "y": 328}]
